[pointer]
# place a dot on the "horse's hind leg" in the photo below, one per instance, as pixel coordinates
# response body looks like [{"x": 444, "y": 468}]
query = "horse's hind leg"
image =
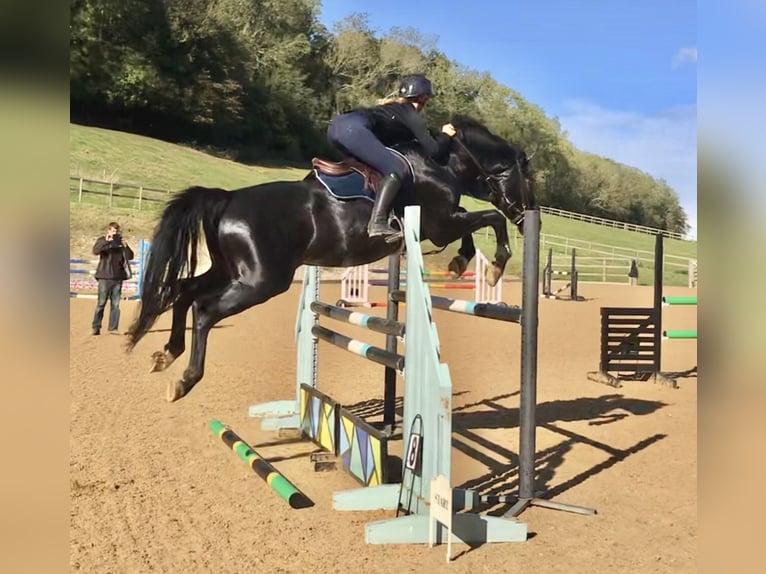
[
  {"x": 208, "y": 309},
  {"x": 176, "y": 345}
]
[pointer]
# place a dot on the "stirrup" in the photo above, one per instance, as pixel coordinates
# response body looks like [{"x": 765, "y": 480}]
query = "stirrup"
[{"x": 390, "y": 234}]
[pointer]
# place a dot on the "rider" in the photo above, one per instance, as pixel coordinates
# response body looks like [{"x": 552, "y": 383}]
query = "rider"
[{"x": 364, "y": 133}]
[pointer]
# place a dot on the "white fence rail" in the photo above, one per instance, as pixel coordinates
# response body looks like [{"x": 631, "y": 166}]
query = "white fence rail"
[
  {"x": 608, "y": 262},
  {"x": 611, "y": 223},
  {"x": 564, "y": 245}
]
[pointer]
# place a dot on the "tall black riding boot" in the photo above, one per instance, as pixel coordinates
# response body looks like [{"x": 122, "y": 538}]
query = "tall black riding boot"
[{"x": 378, "y": 225}]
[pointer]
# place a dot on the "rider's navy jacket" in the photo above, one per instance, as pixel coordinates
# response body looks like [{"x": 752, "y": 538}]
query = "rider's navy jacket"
[{"x": 395, "y": 123}]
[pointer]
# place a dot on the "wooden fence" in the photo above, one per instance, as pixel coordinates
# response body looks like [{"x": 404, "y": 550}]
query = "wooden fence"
[{"x": 113, "y": 194}]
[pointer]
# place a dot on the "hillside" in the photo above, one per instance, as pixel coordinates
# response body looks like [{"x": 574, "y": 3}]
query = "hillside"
[
  {"x": 131, "y": 159},
  {"x": 121, "y": 157}
]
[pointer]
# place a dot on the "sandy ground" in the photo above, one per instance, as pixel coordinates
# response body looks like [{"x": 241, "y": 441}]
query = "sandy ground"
[{"x": 153, "y": 490}]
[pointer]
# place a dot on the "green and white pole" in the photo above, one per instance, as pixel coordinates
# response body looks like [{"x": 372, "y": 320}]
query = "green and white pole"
[{"x": 283, "y": 487}]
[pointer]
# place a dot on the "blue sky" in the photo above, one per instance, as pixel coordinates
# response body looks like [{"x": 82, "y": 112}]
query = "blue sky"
[
  {"x": 621, "y": 76},
  {"x": 732, "y": 94}
]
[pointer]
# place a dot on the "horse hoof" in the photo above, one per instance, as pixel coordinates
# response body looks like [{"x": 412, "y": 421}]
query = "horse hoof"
[
  {"x": 493, "y": 275},
  {"x": 159, "y": 362},
  {"x": 175, "y": 391},
  {"x": 457, "y": 266}
]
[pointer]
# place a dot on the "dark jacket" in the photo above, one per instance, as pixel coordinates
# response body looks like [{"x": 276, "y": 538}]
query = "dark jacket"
[
  {"x": 397, "y": 123},
  {"x": 110, "y": 261}
]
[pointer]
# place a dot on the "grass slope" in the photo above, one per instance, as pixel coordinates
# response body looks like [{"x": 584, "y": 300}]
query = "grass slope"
[
  {"x": 127, "y": 158},
  {"x": 132, "y": 159}
]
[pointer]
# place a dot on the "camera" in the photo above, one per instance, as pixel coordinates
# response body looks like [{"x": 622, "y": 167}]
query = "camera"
[{"x": 116, "y": 242}]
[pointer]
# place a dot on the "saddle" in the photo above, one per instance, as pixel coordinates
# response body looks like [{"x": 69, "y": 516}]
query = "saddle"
[
  {"x": 347, "y": 166},
  {"x": 370, "y": 175}
]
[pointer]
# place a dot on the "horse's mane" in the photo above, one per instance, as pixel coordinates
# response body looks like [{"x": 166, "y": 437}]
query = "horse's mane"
[{"x": 479, "y": 135}]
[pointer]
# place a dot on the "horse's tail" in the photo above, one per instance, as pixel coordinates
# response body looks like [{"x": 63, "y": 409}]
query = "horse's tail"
[{"x": 173, "y": 252}]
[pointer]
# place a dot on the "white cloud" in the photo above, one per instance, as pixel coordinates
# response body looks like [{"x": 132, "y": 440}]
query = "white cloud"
[
  {"x": 664, "y": 146},
  {"x": 687, "y": 54}
]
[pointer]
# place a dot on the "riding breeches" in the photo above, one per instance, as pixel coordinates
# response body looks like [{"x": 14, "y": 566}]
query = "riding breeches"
[{"x": 351, "y": 134}]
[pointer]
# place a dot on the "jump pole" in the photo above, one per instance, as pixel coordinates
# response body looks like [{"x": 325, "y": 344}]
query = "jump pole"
[
  {"x": 486, "y": 310},
  {"x": 679, "y": 300},
  {"x": 528, "y": 402},
  {"x": 658, "y": 303},
  {"x": 389, "y": 376},
  {"x": 659, "y": 266},
  {"x": 679, "y": 334},
  {"x": 283, "y": 487}
]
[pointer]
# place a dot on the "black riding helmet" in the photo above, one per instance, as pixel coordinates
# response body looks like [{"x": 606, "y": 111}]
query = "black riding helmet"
[{"x": 415, "y": 87}]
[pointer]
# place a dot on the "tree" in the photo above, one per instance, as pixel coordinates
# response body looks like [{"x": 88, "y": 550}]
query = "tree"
[{"x": 257, "y": 79}]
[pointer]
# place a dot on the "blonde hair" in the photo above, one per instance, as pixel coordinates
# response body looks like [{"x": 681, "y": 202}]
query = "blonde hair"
[{"x": 392, "y": 99}]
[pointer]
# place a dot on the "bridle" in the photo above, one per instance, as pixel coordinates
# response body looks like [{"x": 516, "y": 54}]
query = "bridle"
[{"x": 496, "y": 196}]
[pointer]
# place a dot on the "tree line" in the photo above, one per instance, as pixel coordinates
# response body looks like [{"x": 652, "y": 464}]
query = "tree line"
[{"x": 259, "y": 80}]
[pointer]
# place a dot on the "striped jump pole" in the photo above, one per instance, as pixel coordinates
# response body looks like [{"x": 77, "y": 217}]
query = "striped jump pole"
[
  {"x": 428, "y": 273},
  {"x": 451, "y": 285},
  {"x": 360, "y": 348},
  {"x": 431, "y": 273},
  {"x": 486, "y": 310},
  {"x": 432, "y": 284},
  {"x": 283, "y": 487},
  {"x": 377, "y": 324}
]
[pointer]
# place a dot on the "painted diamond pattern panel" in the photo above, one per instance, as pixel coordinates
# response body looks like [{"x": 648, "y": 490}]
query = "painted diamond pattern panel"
[
  {"x": 319, "y": 418},
  {"x": 362, "y": 449}
]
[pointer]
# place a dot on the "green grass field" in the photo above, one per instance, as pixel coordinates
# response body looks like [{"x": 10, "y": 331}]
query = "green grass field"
[
  {"x": 127, "y": 158},
  {"x": 130, "y": 159}
]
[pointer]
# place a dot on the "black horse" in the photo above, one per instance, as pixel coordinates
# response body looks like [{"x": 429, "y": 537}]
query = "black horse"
[{"x": 258, "y": 236}]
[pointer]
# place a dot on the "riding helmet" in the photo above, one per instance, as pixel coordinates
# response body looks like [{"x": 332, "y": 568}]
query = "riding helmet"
[{"x": 415, "y": 87}]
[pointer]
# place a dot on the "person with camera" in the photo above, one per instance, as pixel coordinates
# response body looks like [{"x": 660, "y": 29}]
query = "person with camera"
[{"x": 113, "y": 268}]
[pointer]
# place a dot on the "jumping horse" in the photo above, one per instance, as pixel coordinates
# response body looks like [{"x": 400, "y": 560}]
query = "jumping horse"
[{"x": 258, "y": 236}]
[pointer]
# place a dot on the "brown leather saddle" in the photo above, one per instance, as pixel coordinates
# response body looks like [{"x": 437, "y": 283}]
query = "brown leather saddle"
[
  {"x": 350, "y": 164},
  {"x": 346, "y": 166}
]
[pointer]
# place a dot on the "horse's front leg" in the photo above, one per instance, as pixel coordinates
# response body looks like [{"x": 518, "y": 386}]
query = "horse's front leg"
[{"x": 460, "y": 224}]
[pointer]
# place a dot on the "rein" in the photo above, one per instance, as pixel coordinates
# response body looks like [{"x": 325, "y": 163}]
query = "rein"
[{"x": 489, "y": 179}]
